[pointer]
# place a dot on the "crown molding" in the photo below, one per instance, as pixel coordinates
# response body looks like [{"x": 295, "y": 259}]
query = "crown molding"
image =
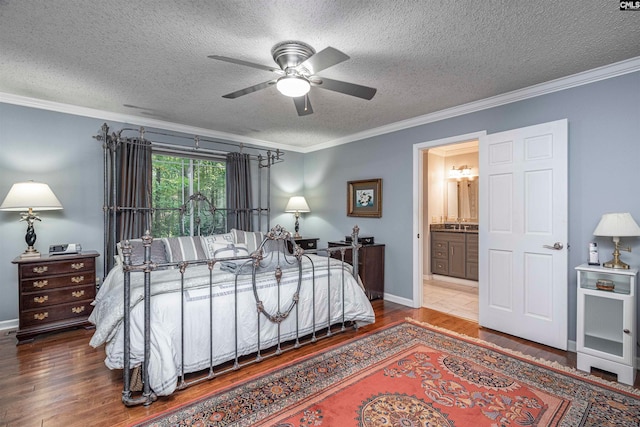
[
  {"x": 579, "y": 79},
  {"x": 557, "y": 85},
  {"x": 59, "y": 107}
]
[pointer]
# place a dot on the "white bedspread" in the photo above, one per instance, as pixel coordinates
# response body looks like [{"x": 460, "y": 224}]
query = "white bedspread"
[{"x": 165, "y": 361}]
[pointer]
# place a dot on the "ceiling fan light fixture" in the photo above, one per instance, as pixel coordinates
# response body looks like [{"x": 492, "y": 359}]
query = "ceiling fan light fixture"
[{"x": 293, "y": 86}]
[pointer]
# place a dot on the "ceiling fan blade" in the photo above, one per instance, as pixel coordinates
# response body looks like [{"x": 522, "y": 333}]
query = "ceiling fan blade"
[
  {"x": 319, "y": 61},
  {"x": 247, "y": 64},
  {"x": 303, "y": 105},
  {"x": 352, "y": 89},
  {"x": 249, "y": 89}
]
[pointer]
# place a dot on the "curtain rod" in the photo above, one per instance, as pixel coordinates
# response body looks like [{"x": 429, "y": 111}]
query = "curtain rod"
[{"x": 266, "y": 156}]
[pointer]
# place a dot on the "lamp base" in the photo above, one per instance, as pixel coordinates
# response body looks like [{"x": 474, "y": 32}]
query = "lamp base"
[
  {"x": 30, "y": 253},
  {"x": 616, "y": 263}
]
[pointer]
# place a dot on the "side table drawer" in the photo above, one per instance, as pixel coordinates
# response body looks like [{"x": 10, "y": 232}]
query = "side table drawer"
[
  {"x": 36, "y": 300},
  {"x": 52, "y": 314}
]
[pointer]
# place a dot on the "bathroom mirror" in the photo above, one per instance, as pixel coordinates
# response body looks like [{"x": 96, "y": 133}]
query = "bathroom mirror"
[{"x": 462, "y": 199}]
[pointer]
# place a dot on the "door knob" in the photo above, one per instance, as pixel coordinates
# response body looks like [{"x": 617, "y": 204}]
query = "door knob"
[{"x": 556, "y": 246}]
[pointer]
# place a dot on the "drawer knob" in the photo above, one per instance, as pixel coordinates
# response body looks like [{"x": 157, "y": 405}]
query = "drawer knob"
[
  {"x": 77, "y": 279},
  {"x": 40, "y": 300},
  {"x": 78, "y": 294},
  {"x": 77, "y": 310},
  {"x": 77, "y": 265},
  {"x": 40, "y": 283},
  {"x": 626, "y": 331},
  {"x": 40, "y": 269},
  {"x": 41, "y": 316}
]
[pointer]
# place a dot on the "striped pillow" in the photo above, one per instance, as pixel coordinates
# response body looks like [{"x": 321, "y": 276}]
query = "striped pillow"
[
  {"x": 187, "y": 248},
  {"x": 250, "y": 238}
]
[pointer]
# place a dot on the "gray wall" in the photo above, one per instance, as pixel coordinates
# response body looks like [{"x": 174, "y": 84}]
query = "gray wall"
[
  {"x": 604, "y": 154},
  {"x": 604, "y": 128},
  {"x": 59, "y": 149}
]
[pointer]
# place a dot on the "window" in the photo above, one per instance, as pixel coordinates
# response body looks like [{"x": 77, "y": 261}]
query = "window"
[{"x": 176, "y": 178}]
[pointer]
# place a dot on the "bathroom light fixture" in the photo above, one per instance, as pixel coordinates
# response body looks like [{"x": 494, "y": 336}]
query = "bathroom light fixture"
[
  {"x": 296, "y": 205},
  {"x": 617, "y": 225},
  {"x": 293, "y": 86},
  {"x": 461, "y": 172},
  {"x": 29, "y": 196}
]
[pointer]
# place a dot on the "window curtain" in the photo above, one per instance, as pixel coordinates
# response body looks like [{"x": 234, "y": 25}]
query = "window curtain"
[
  {"x": 132, "y": 214},
  {"x": 239, "y": 196}
]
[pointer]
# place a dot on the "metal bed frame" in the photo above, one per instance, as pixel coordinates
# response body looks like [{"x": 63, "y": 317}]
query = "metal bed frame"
[{"x": 281, "y": 237}]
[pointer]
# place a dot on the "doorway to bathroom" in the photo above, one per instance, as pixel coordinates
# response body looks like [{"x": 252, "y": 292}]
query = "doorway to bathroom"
[{"x": 450, "y": 229}]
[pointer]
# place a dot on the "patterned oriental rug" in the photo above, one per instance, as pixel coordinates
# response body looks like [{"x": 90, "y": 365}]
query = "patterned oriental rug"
[{"x": 413, "y": 374}]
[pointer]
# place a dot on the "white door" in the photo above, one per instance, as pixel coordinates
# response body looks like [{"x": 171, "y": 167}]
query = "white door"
[{"x": 523, "y": 276}]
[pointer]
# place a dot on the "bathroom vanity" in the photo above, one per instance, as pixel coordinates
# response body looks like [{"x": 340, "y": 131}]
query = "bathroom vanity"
[{"x": 454, "y": 250}]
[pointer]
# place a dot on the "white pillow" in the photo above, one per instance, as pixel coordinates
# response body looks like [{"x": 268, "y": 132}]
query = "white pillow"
[
  {"x": 208, "y": 241},
  {"x": 222, "y": 250}
]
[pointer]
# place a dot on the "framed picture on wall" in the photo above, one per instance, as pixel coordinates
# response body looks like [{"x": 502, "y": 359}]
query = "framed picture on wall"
[{"x": 364, "y": 198}]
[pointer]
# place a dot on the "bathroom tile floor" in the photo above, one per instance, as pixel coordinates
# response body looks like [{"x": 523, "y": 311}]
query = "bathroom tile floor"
[{"x": 451, "y": 298}]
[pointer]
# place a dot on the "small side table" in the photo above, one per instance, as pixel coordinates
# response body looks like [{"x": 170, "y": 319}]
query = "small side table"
[
  {"x": 305, "y": 243},
  {"x": 55, "y": 293},
  {"x": 606, "y": 321}
]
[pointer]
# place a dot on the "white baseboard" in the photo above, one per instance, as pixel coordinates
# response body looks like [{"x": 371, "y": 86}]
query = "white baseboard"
[
  {"x": 9, "y": 324},
  {"x": 465, "y": 282},
  {"x": 398, "y": 300}
]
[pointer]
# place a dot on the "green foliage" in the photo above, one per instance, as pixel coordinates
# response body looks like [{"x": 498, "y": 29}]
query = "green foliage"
[{"x": 175, "y": 179}]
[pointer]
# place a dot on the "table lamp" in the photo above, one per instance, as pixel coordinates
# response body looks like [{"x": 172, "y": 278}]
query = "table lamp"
[
  {"x": 296, "y": 205},
  {"x": 28, "y": 196},
  {"x": 617, "y": 225}
]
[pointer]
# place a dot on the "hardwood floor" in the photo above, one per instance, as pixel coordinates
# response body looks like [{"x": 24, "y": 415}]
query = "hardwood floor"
[{"x": 59, "y": 380}]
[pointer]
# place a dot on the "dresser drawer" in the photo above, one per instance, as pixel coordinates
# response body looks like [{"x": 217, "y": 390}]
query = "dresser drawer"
[
  {"x": 57, "y": 296},
  {"x": 439, "y": 266},
  {"x": 40, "y": 269},
  {"x": 55, "y": 313},
  {"x": 45, "y": 283}
]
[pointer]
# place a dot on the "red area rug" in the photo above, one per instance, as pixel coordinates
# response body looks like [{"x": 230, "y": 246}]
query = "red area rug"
[{"x": 413, "y": 374}]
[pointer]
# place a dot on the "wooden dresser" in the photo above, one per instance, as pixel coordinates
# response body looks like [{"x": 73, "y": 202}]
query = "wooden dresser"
[
  {"x": 55, "y": 292},
  {"x": 370, "y": 266}
]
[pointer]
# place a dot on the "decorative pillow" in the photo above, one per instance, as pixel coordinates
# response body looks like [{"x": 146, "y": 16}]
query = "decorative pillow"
[
  {"x": 187, "y": 248},
  {"x": 158, "y": 252},
  {"x": 208, "y": 241},
  {"x": 222, "y": 250},
  {"x": 250, "y": 238}
]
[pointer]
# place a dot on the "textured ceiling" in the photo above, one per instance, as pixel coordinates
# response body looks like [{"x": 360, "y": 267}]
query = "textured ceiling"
[{"x": 148, "y": 58}]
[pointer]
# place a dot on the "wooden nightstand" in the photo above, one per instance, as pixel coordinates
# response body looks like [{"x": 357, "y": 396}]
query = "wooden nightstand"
[
  {"x": 55, "y": 292},
  {"x": 305, "y": 243},
  {"x": 370, "y": 266}
]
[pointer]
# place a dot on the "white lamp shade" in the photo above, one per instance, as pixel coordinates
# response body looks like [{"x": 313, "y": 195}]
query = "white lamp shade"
[
  {"x": 35, "y": 195},
  {"x": 297, "y": 204},
  {"x": 293, "y": 86},
  {"x": 617, "y": 225}
]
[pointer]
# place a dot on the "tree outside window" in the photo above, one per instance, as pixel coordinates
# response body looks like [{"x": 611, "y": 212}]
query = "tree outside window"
[{"x": 175, "y": 179}]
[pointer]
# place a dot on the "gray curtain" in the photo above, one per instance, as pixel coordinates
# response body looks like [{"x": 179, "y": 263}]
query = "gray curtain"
[
  {"x": 239, "y": 197},
  {"x": 131, "y": 215}
]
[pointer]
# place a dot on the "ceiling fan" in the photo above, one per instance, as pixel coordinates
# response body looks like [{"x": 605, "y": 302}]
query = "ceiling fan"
[{"x": 299, "y": 64}]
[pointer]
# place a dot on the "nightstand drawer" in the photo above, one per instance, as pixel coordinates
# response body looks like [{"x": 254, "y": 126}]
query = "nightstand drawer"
[
  {"x": 45, "y": 283},
  {"x": 55, "y": 313},
  {"x": 307, "y": 243},
  {"x": 39, "y": 269},
  {"x": 57, "y": 296}
]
